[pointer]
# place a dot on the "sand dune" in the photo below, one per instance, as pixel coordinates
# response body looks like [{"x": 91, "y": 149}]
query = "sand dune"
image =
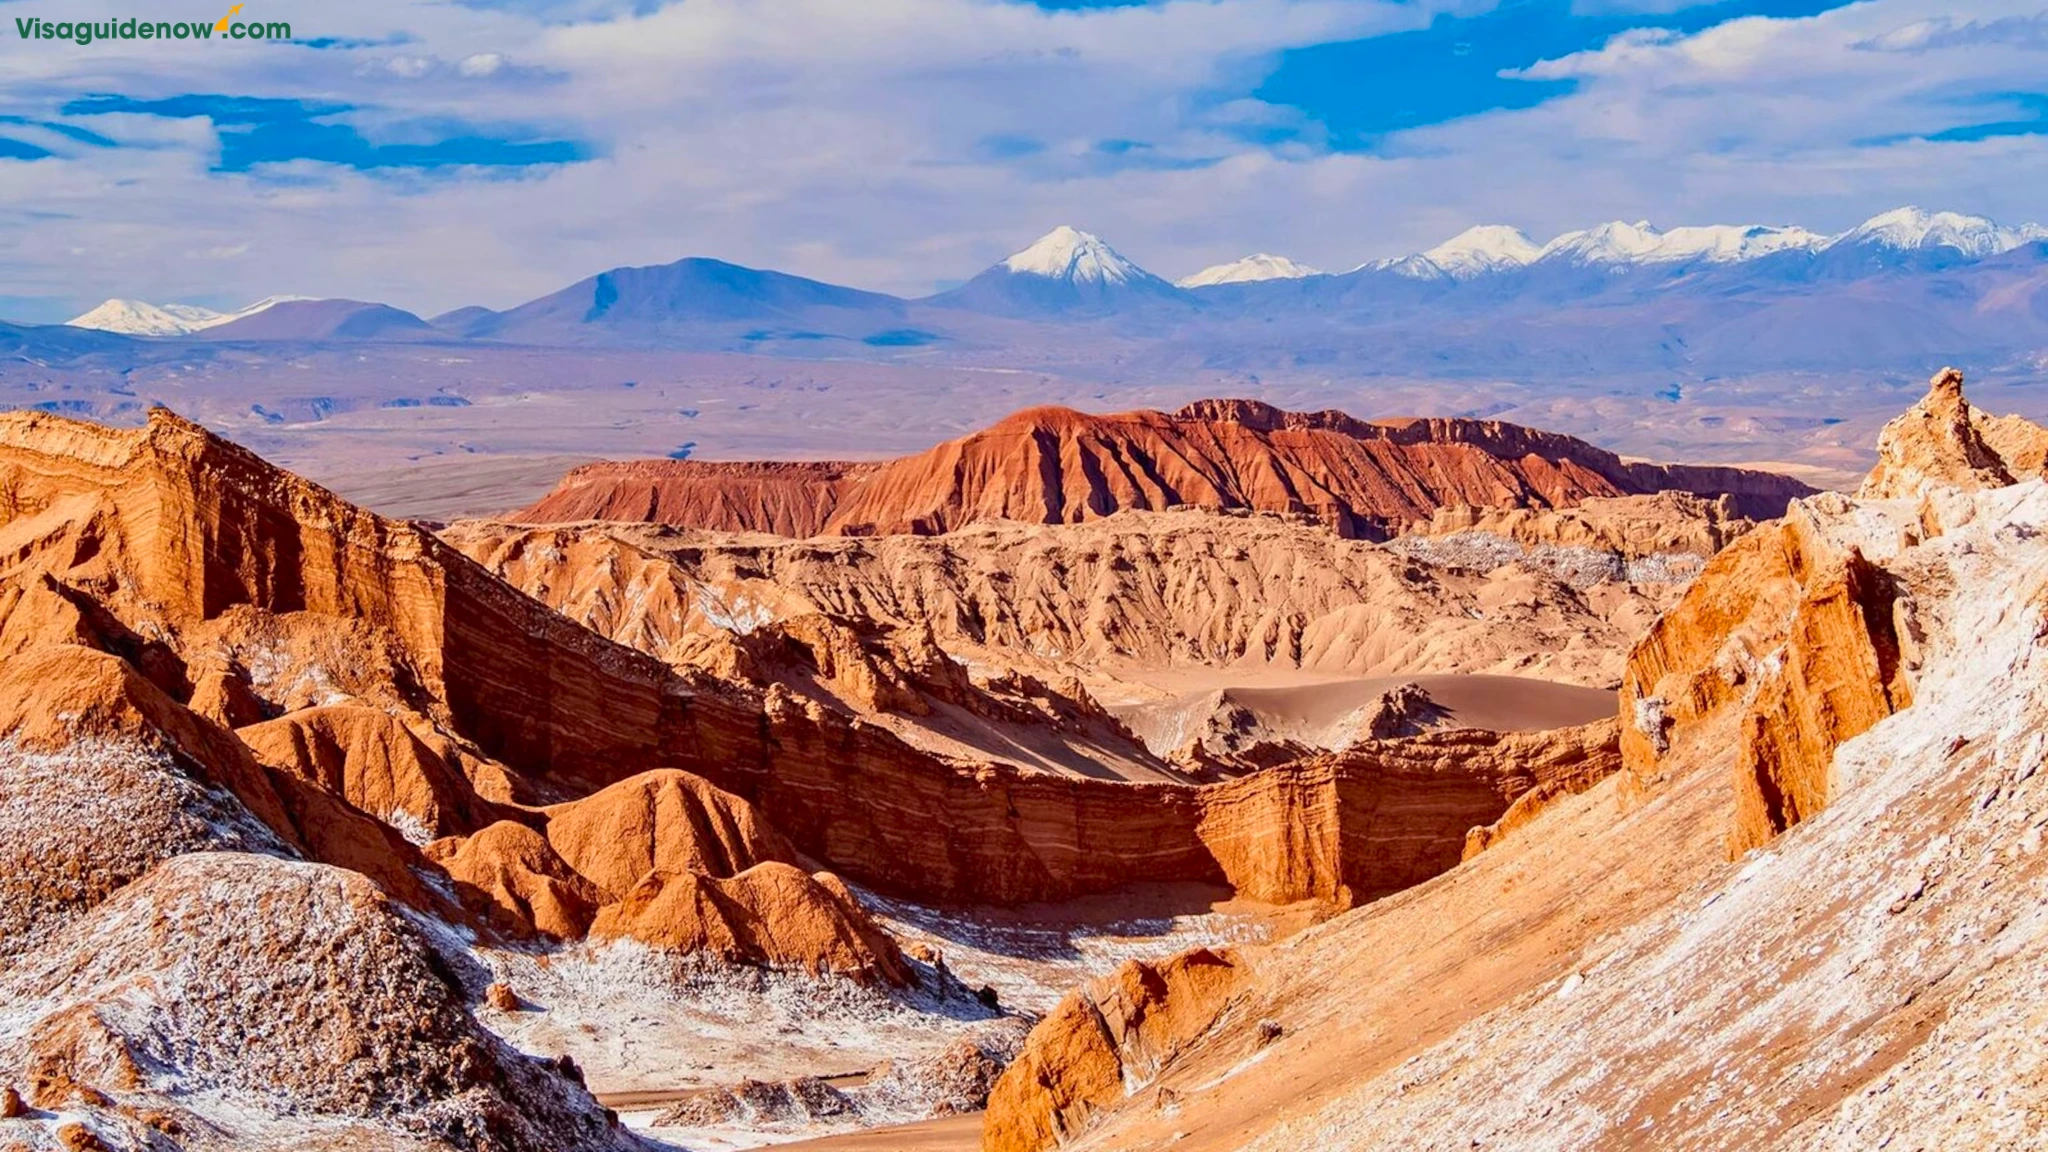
[{"x": 1332, "y": 714}]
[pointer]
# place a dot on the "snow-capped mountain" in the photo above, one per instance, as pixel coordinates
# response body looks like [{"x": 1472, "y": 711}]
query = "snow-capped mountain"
[
  {"x": 1473, "y": 252},
  {"x": 1640, "y": 243},
  {"x": 1064, "y": 272},
  {"x": 140, "y": 318},
  {"x": 1494, "y": 248},
  {"x": 1258, "y": 266},
  {"x": 1075, "y": 256},
  {"x": 1914, "y": 228}
]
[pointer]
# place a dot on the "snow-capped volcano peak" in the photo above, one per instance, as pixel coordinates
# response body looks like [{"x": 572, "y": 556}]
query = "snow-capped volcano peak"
[
  {"x": 1257, "y": 266},
  {"x": 1075, "y": 256},
  {"x": 1911, "y": 228},
  {"x": 140, "y": 318},
  {"x": 1611, "y": 243},
  {"x": 1486, "y": 248}
]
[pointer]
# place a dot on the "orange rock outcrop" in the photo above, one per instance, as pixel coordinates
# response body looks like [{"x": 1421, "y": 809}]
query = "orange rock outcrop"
[
  {"x": 788, "y": 498},
  {"x": 1059, "y": 466},
  {"x": 1786, "y": 645},
  {"x": 2021, "y": 444},
  {"x": 513, "y": 880},
  {"x": 1790, "y": 643},
  {"x": 371, "y": 759},
  {"x": 1103, "y": 1043},
  {"x": 1839, "y": 673},
  {"x": 772, "y": 913},
  {"x": 664, "y": 821},
  {"x": 1936, "y": 443}
]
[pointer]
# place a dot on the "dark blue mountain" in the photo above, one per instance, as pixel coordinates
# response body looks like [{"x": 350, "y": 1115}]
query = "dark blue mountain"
[
  {"x": 689, "y": 302},
  {"x": 317, "y": 321}
]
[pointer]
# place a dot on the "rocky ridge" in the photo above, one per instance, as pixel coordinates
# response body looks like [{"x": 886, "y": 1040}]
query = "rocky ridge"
[
  {"x": 1367, "y": 479},
  {"x": 1181, "y": 589},
  {"x": 785, "y": 498}
]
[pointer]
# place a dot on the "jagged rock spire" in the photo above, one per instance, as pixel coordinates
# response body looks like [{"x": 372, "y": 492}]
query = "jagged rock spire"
[{"x": 1935, "y": 444}]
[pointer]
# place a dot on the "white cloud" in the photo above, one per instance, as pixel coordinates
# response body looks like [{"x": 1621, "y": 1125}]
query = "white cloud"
[{"x": 2028, "y": 31}]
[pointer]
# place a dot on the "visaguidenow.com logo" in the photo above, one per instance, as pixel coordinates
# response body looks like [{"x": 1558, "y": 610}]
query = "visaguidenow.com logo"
[{"x": 83, "y": 32}]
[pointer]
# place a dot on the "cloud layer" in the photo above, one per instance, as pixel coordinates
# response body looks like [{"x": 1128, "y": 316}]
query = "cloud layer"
[{"x": 433, "y": 155}]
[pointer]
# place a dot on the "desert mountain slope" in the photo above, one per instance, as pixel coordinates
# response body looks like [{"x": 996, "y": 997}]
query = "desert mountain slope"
[
  {"x": 235, "y": 1001},
  {"x": 1059, "y": 466},
  {"x": 1854, "y": 701}
]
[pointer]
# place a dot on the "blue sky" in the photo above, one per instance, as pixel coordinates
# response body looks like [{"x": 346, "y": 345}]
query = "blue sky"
[{"x": 439, "y": 154}]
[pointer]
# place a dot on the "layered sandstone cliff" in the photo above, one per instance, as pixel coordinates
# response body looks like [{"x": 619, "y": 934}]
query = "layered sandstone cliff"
[
  {"x": 1137, "y": 591},
  {"x": 1785, "y": 646},
  {"x": 788, "y": 498},
  {"x": 1793, "y": 640},
  {"x": 1059, "y": 466}
]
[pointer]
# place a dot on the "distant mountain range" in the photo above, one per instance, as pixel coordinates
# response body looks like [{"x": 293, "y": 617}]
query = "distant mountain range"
[{"x": 1900, "y": 290}]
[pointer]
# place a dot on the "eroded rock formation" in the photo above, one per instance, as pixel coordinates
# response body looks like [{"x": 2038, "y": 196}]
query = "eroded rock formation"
[
  {"x": 1632, "y": 527},
  {"x": 787, "y": 498},
  {"x": 209, "y": 656},
  {"x": 170, "y": 533},
  {"x": 1177, "y": 589},
  {"x": 153, "y": 572},
  {"x": 1936, "y": 443},
  {"x": 1785, "y": 646},
  {"x": 1059, "y": 466},
  {"x": 1101, "y": 1042},
  {"x": 772, "y": 913},
  {"x": 1793, "y": 640}
]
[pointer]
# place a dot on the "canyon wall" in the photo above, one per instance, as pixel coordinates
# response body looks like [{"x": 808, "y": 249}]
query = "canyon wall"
[{"x": 1172, "y": 589}]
